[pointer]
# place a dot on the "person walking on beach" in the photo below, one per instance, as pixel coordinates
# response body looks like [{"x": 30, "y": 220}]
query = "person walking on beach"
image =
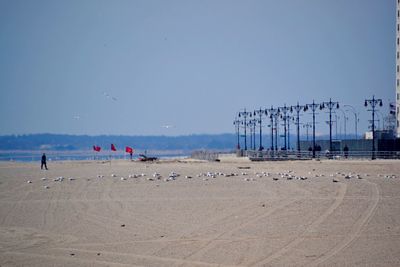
[{"x": 44, "y": 162}]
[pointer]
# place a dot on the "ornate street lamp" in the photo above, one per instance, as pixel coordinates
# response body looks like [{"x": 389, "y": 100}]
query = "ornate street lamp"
[
  {"x": 313, "y": 106},
  {"x": 270, "y": 112},
  {"x": 355, "y": 118},
  {"x": 283, "y": 111},
  {"x": 260, "y": 112},
  {"x": 307, "y": 125},
  {"x": 373, "y": 103},
  {"x": 298, "y": 108},
  {"x": 245, "y": 114},
  {"x": 252, "y": 126},
  {"x": 236, "y": 122},
  {"x": 330, "y": 105}
]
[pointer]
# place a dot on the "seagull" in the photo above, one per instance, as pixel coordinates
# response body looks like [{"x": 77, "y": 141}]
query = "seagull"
[
  {"x": 109, "y": 96},
  {"x": 167, "y": 126}
]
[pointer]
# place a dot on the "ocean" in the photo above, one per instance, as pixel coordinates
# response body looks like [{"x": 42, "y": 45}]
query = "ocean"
[{"x": 32, "y": 156}]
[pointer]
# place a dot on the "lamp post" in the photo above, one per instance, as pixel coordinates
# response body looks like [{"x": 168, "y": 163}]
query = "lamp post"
[
  {"x": 284, "y": 110},
  {"x": 252, "y": 126},
  {"x": 313, "y": 106},
  {"x": 236, "y": 122},
  {"x": 276, "y": 115},
  {"x": 345, "y": 119},
  {"x": 245, "y": 114},
  {"x": 336, "y": 122},
  {"x": 298, "y": 108},
  {"x": 289, "y": 119},
  {"x": 382, "y": 119},
  {"x": 271, "y": 111},
  {"x": 355, "y": 118},
  {"x": 307, "y": 125},
  {"x": 330, "y": 105},
  {"x": 260, "y": 112},
  {"x": 373, "y": 103}
]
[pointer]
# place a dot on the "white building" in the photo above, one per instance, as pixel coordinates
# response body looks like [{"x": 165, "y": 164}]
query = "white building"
[{"x": 398, "y": 69}]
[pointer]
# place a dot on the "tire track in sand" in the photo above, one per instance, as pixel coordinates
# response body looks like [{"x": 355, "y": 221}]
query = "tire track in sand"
[
  {"x": 143, "y": 257},
  {"x": 356, "y": 231},
  {"x": 310, "y": 228},
  {"x": 212, "y": 242}
]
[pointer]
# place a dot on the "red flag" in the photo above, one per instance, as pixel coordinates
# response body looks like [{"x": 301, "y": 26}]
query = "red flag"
[
  {"x": 113, "y": 147},
  {"x": 96, "y": 148},
  {"x": 129, "y": 150}
]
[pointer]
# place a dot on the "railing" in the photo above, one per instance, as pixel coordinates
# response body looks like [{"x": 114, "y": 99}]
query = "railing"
[{"x": 302, "y": 155}]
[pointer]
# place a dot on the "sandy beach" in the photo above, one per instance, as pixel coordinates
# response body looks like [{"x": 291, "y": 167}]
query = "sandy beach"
[{"x": 251, "y": 214}]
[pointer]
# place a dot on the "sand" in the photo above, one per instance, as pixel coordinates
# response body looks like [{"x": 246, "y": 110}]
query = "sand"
[{"x": 242, "y": 220}]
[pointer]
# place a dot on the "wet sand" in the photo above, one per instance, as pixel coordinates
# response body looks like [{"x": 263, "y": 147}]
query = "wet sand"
[{"x": 243, "y": 220}]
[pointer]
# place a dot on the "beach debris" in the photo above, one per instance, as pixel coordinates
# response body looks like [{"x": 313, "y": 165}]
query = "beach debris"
[
  {"x": 188, "y": 177},
  {"x": 123, "y": 179},
  {"x": 348, "y": 176},
  {"x": 72, "y": 254},
  {"x": 247, "y": 179},
  {"x": 243, "y": 167},
  {"x": 46, "y": 187},
  {"x": 122, "y": 225},
  {"x": 29, "y": 182},
  {"x": 335, "y": 181},
  {"x": 244, "y": 173},
  {"x": 71, "y": 179},
  {"x": 58, "y": 179},
  {"x": 303, "y": 178},
  {"x": 98, "y": 254},
  {"x": 275, "y": 178},
  {"x": 44, "y": 179},
  {"x": 113, "y": 175},
  {"x": 150, "y": 179},
  {"x": 100, "y": 176}
]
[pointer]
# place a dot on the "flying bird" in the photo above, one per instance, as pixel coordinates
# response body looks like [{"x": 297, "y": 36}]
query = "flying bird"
[
  {"x": 109, "y": 96},
  {"x": 168, "y": 126}
]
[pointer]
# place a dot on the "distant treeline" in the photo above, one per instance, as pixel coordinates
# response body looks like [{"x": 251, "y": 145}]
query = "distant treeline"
[
  {"x": 63, "y": 142},
  {"x": 85, "y": 142}
]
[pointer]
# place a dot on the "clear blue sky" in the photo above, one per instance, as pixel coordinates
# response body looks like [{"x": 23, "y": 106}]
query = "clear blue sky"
[{"x": 190, "y": 64}]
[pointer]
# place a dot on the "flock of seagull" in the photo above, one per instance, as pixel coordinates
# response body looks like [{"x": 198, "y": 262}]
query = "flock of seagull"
[{"x": 172, "y": 176}]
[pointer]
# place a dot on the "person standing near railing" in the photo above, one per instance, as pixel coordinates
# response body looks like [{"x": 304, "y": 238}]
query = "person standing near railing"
[{"x": 346, "y": 151}]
